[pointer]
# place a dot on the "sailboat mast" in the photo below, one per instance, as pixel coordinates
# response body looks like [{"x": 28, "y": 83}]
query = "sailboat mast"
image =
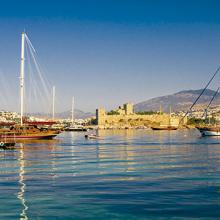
[
  {"x": 53, "y": 113},
  {"x": 72, "y": 110},
  {"x": 170, "y": 115},
  {"x": 22, "y": 76},
  {"x": 161, "y": 110}
]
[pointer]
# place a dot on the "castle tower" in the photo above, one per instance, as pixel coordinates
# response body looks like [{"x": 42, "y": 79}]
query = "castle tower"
[
  {"x": 100, "y": 116},
  {"x": 129, "y": 109}
]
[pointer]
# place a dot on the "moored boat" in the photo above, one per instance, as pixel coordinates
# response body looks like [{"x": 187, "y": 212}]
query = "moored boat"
[
  {"x": 209, "y": 130},
  {"x": 27, "y": 132},
  {"x": 75, "y": 128},
  {"x": 168, "y": 128}
]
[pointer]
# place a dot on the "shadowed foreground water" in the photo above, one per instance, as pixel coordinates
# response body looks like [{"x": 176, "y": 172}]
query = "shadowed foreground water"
[{"x": 126, "y": 175}]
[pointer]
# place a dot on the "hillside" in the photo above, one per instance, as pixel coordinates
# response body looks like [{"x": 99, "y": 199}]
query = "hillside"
[
  {"x": 78, "y": 114},
  {"x": 178, "y": 101}
]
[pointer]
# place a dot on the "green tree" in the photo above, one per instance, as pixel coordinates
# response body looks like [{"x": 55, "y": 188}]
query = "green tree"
[
  {"x": 147, "y": 113},
  {"x": 112, "y": 112}
]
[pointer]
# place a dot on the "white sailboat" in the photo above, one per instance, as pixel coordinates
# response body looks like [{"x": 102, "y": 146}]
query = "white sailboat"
[
  {"x": 209, "y": 129},
  {"x": 74, "y": 127}
]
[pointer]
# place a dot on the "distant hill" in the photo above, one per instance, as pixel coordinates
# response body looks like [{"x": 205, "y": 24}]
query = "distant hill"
[
  {"x": 78, "y": 114},
  {"x": 178, "y": 101}
]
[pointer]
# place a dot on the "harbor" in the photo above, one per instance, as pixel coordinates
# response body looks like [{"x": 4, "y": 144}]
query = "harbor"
[
  {"x": 122, "y": 118},
  {"x": 109, "y": 110}
]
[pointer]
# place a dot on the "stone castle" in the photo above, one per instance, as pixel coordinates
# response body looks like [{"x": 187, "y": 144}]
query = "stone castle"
[{"x": 124, "y": 117}]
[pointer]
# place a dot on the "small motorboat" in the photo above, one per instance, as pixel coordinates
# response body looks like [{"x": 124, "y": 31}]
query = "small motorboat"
[{"x": 92, "y": 136}]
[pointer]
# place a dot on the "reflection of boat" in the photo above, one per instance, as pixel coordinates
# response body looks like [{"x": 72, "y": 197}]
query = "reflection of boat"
[
  {"x": 168, "y": 128},
  {"x": 44, "y": 142},
  {"x": 209, "y": 130},
  {"x": 5, "y": 145}
]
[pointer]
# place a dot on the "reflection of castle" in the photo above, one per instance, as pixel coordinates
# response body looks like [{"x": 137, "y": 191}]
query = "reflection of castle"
[{"x": 125, "y": 117}]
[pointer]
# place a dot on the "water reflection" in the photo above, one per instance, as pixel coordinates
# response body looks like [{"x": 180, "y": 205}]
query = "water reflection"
[
  {"x": 21, "y": 193},
  {"x": 123, "y": 134},
  {"x": 146, "y": 171},
  {"x": 168, "y": 153},
  {"x": 34, "y": 153},
  {"x": 36, "y": 142}
]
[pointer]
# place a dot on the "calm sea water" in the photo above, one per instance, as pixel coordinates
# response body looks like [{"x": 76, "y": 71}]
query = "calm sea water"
[{"x": 125, "y": 175}]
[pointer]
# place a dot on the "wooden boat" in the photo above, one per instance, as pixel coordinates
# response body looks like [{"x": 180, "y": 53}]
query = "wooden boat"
[
  {"x": 168, "y": 128},
  {"x": 27, "y": 132},
  {"x": 24, "y": 131}
]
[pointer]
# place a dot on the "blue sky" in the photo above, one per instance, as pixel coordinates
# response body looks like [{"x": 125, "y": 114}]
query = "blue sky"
[{"x": 106, "y": 53}]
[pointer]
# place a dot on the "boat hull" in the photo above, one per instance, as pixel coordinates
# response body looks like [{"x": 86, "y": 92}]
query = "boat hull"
[
  {"x": 170, "y": 128},
  {"x": 75, "y": 129},
  {"x": 209, "y": 131}
]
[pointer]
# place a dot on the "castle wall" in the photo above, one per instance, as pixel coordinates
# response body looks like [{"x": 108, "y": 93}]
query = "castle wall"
[{"x": 127, "y": 118}]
